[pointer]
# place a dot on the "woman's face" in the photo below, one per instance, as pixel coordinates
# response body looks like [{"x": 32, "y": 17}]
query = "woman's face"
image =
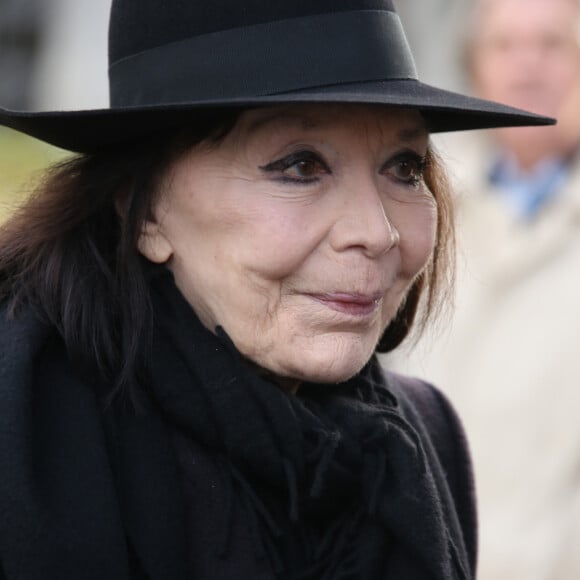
[{"x": 300, "y": 233}]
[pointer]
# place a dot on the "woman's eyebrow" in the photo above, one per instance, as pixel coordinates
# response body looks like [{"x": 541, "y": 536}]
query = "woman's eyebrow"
[
  {"x": 413, "y": 133},
  {"x": 289, "y": 118}
]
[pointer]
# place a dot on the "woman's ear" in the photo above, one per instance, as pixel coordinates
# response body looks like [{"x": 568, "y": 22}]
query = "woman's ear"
[{"x": 153, "y": 243}]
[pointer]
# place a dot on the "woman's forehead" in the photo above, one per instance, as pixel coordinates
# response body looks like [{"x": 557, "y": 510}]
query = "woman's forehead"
[{"x": 405, "y": 124}]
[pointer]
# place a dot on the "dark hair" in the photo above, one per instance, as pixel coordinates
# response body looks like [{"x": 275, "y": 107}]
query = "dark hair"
[
  {"x": 432, "y": 290},
  {"x": 71, "y": 251}
]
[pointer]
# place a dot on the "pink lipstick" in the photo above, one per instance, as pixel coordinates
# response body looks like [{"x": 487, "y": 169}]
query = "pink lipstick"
[{"x": 352, "y": 304}]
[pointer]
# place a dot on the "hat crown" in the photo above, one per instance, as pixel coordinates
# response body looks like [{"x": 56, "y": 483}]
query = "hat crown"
[
  {"x": 137, "y": 26},
  {"x": 227, "y": 50}
]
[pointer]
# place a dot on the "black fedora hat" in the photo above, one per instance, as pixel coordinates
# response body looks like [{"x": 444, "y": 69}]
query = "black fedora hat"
[{"x": 171, "y": 60}]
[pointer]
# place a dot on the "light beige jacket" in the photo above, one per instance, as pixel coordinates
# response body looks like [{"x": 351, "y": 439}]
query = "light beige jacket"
[{"x": 510, "y": 362}]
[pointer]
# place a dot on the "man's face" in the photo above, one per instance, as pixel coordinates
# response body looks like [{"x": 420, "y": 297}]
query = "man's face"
[{"x": 527, "y": 54}]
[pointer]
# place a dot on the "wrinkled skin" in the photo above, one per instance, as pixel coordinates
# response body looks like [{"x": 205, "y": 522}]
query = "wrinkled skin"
[{"x": 300, "y": 233}]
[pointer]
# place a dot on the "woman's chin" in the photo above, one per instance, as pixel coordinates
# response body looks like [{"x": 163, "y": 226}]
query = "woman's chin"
[{"x": 325, "y": 367}]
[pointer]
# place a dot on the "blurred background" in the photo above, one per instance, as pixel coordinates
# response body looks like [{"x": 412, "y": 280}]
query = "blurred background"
[
  {"x": 509, "y": 357},
  {"x": 53, "y": 56}
]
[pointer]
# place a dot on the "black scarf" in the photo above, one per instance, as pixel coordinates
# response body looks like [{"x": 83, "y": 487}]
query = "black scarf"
[{"x": 335, "y": 483}]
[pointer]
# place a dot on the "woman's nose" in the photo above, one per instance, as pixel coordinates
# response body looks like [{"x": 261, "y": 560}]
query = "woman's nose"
[{"x": 362, "y": 222}]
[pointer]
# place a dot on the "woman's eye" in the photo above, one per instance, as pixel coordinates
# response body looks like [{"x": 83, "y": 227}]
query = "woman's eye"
[
  {"x": 301, "y": 167},
  {"x": 407, "y": 168}
]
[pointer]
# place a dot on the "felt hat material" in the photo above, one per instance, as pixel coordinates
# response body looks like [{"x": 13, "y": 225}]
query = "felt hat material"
[{"x": 170, "y": 61}]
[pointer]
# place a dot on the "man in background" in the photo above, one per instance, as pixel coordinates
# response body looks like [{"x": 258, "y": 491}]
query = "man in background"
[{"x": 511, "y": 360}]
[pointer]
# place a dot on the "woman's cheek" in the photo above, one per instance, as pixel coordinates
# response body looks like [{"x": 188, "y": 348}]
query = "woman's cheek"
[
  {"x": 418, "y": 237},
  {"x": 280, "y": 246}
]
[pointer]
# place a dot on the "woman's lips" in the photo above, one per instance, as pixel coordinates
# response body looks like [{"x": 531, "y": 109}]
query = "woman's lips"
[{"x": 351, "y": 304}]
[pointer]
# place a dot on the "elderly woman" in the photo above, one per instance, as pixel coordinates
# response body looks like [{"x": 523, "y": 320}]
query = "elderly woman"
[{"x": 191, "y": 308}]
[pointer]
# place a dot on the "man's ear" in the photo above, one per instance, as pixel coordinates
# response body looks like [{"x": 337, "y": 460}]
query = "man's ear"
[{"x": 153, "y": 243}]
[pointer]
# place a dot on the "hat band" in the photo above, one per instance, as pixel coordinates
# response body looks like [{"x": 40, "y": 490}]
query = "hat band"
[{"x": 266, "y": 59}]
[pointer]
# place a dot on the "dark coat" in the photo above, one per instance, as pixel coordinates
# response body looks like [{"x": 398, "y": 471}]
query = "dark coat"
[{"x": 57, "y": 475}]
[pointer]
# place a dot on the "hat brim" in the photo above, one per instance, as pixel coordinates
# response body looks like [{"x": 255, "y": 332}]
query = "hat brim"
[{"x": 93, "y": 130}]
